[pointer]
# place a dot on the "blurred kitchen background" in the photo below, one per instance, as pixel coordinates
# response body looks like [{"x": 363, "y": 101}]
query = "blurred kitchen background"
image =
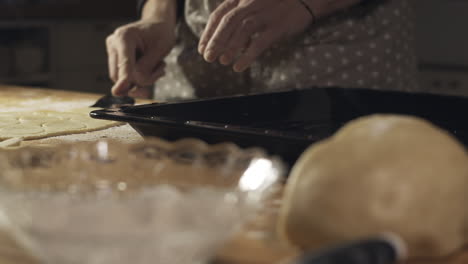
[{"x": 61, "y": 43}]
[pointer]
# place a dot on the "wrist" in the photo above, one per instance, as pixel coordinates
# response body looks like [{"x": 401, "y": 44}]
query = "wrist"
[{"x": 160, "y": 10}]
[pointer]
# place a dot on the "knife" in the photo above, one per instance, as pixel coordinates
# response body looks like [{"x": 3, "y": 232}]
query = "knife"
[{"x": 110, "y": 101}]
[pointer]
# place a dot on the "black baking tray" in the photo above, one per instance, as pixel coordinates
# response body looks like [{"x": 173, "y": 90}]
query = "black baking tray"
[{"x": 285, "y": 123}]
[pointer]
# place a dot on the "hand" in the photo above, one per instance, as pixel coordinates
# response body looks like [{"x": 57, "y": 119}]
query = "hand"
[
  {"x": 135, "y": 54},
  {"x": 239, "y": 31}
]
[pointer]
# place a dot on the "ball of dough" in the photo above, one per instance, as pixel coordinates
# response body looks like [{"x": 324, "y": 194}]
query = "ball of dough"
[{"x": 381, "y": 173}]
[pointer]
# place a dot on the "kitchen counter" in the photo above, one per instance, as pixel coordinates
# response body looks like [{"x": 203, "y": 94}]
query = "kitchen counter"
[
  {"x": 22, "y": 99},
  {"x": 256, "y": 244}
]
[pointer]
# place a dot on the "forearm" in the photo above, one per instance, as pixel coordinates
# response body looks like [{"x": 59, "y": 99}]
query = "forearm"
[
  {"x": 165, "y": 10},
  {"x": 324, "y": 8}
]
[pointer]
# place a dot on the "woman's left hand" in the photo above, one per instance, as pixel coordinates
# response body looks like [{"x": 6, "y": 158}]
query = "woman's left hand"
[{"x": 239, "y": 31}]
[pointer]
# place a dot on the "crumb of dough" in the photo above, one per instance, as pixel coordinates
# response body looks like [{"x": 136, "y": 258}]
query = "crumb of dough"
[{"x": 12, "y": 142}]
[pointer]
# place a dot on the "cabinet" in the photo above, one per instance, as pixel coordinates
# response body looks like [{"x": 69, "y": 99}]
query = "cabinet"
[
  {"x": 24, "y": 53},
  {"x": 441, "y": 45},
  {"x": 68, "y": 55}
]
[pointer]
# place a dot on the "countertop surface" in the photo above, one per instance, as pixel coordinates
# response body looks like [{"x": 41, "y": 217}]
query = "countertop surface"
[
  {"x": 256, "y": 244},
  {"x": 23, "y": 99}
]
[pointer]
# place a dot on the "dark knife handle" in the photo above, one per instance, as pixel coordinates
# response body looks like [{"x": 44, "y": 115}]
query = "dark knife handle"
[
  {"x": 110, "y": 101},
  {"x": 386, "y": 250}
]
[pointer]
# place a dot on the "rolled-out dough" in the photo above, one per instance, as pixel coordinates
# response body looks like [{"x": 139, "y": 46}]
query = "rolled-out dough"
[{"x": 41, "y": 124}]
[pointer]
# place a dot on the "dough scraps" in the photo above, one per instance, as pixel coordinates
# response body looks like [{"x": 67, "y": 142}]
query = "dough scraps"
[{"x": 41, "y": 124}]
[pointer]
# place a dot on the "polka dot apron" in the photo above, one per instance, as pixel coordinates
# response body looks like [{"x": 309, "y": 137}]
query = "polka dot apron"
[{"x": 355, "y": 48}]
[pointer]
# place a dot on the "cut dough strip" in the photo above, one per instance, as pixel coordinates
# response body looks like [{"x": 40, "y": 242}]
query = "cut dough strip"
[{"x": 12, "y": 142}]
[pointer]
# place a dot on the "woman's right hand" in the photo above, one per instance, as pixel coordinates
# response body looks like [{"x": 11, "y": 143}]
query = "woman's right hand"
[{"x": 136, "y": 55}]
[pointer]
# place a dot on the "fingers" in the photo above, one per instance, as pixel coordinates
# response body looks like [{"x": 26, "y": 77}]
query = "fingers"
[
  {"x": 122, "y": 49},
  {"x": 159, "y": 72},
  {"x": 150, "y": 61},
  {"x": 142, "y": 80},
  {"x": 121, "y": 87},
  {"x": 231, "y": 30},
  {"x": 223, "y": 34},
  {"x": 148, "y": 76},
  {"x": 125, "y": 47},
  {"x": 141, "y": 92},
  {"x": 145, "y": 91},
  {"x": 112, "y": 59},
  {"x": 213, "y": 22},
  {"x": 240, "y": 39},
  {"x": 125, "y": 78},
  {"x": 150, "y": 67},
  {"x": 257, "y": 46},
  {"x": 124, "y": 69}
]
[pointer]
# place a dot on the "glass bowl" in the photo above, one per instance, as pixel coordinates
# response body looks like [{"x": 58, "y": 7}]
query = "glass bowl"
[{"x": 153, "y": 202}]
